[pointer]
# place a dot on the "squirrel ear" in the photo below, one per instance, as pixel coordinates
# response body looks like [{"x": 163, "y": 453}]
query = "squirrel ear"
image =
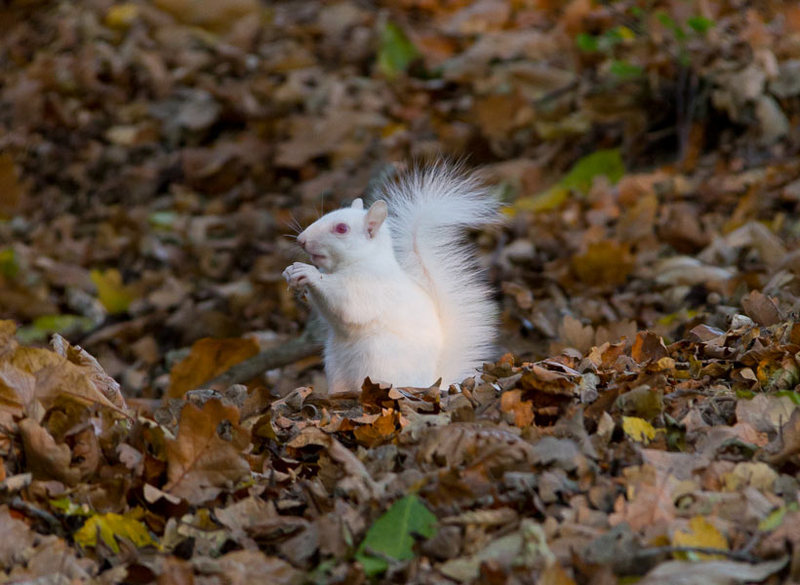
[
  {"x": 375, "y": 216},
  {"x": 357, "y": 204}
]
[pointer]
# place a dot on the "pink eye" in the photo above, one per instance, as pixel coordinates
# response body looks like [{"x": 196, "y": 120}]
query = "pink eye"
[{"x": 341, "y": 228}]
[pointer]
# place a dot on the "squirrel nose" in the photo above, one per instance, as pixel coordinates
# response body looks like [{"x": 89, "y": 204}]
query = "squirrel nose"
[{"x": 302, "y": 241}]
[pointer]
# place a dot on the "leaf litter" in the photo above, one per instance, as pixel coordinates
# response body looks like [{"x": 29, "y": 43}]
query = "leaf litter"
[{"x": 644, "y": 422}]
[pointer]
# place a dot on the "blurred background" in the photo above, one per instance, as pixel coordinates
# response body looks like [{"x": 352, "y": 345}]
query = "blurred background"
[{"x": 154, "y": 156}]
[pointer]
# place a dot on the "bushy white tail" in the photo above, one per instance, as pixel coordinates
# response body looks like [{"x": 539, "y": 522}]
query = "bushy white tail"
[{"x": 429, "y": 211}]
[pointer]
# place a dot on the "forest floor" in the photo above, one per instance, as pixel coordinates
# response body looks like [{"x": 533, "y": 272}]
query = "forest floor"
[{"x": 642, "y": 425}]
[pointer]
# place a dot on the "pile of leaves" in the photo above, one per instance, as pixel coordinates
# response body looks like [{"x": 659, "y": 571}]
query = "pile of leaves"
[
  {"x": 575, "y": 469},
  {"x": 153, "y": 154}
]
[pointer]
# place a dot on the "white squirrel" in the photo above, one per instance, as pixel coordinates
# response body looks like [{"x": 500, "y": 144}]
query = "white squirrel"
[{"x": 398, "y": 284}]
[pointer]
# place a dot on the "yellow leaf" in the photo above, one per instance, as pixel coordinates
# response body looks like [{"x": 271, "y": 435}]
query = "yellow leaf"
[
  {"x": 544, "y": 201},
  {"x": 701, "y": 533},
  {"x": 114, "y": 295},
  {"x": 108, "y": 526},
  {"x": 638, "y": 429},
  {"x": 626, "y": 33},
  {"x": 605, "y": 263},
  {"x": 121, "y": 15}
]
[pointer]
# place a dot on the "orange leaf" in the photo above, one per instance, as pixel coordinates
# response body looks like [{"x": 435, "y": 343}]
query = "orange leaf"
[
  {"x": 511, "y": 401},
  {"x": 380, "y": 431},
  {"x": 207, "y": 359}
]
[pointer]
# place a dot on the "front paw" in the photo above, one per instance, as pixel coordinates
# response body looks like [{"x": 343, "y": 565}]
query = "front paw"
[{"x": 300, "y": 275}]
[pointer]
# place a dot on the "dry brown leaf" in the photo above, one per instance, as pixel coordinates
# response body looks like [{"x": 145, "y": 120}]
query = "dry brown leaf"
[
  {"x": 200, "y": 462},
  {"x": 648, "y": 347},
  {"x": 18, "y": 539},
  {"x": 107, "y": 385},
  {"x": 8, "y": 345},
  {"x": 58, "y": 378},
  {"x": 605, "y": 263},
  {"x": 761, "y": 308},
  {"x": 46, "y": 458},
  {"x": 573, "y": 333},
  {"x": 250, "y": 566},
  {"x": 17, "y": 389},
  {"x": 787, "y": 443},
  {"x": 216, "y": 16},
  {"x": 13, "y": 192}
]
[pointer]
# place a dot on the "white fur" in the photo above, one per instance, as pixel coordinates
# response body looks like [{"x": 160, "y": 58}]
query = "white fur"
[{"x": 404, "y": 298}]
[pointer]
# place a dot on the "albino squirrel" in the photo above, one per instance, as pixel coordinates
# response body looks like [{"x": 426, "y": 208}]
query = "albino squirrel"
[{"x": 398, "y": 284}]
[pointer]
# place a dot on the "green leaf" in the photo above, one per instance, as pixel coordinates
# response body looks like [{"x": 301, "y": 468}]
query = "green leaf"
[
  {"x": 579, "y": 178},
  {"x": 625, "y": 70},
  {"x": 666, "y": 20},
  {"x": 396, "y": 51},
  {"x": 9, "y": 267},
  {"x": 775, "y": 518},
  {"x": 606, "y": 162},
  {"x": 113, "y": 295},
  {"x": 791, "y": 394},
  {"x": 392, "y": 534},
  {"x": 65, "y": 506},
  {"x": 587, "y": 43},
  {"x": 321, "y": 574},
  {"x": 700, "y": 24},
  {"x": 43, "y": 326}
]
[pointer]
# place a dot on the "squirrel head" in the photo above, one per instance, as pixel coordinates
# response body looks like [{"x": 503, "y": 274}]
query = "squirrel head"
[{"x": 347, "y": 235}]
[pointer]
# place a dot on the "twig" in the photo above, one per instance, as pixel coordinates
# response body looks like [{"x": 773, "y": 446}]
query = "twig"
[
  {"x": 296, "y": 349},
  {"x": 29, "y": 509},
  {"x": 556, "y": 93}
]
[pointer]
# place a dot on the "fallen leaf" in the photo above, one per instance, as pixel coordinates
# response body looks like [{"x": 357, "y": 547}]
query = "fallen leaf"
[
  {"x": 648, "y": 347},
  {"x": 761, "y": 308},
  {"x": 18, "y": 539},
  {"x": 392, "y": 534},
  {"x": 208, "y": 358},
  {"x": 200, "y": 462},
  {"x": 218, "y": 16},
  {"x": 711, "y": 572},
  {"x": 56, "y": 378},
  {"x": 10, "y": 186},
  {"x": 113, "y": 294},
  {"x": 46, "y": 458},
  {"x": 396, "y": 51},
  {"x": 108, "y": 527},
  {"x": 605, "y": 262},
  {"x": 700, "y": 533},
  {"x": 122, "y": 15},
  {"x": 638, "y": 429}
]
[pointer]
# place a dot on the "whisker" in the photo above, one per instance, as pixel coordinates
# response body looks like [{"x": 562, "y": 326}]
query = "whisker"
[
  {"x": 321, "y": 204},
  {"x": 293, "y": 224}
]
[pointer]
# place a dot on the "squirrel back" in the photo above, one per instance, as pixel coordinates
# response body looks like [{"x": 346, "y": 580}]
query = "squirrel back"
[{"x": 430, "y": 209}]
